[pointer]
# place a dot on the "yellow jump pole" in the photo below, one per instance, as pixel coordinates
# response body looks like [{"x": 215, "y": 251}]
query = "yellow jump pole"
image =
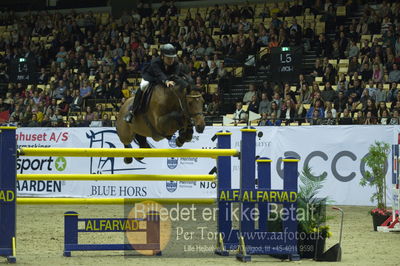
[
  {"x": 102, "y": 152},
  {"x": 116, "y": 177},
  {"x": 107, "y": 201}
]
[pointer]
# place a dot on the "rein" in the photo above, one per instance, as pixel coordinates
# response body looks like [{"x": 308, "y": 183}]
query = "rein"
[{"x": 184, "y": 107}]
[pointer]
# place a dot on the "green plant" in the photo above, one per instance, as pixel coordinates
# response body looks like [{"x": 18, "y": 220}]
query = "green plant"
[
  {"x": 376, "y": 160},
  {"x": 313, "y": 208}
]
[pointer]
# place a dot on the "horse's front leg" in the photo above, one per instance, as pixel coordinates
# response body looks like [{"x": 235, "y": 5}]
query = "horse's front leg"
[
  {"x": 187, "y": 132},
  {"x": 128, "y": 160},
  {"x": 176, "y": 121}
]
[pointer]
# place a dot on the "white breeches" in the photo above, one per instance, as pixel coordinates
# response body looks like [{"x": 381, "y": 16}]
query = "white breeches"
[{"x": 144, "y": 84}]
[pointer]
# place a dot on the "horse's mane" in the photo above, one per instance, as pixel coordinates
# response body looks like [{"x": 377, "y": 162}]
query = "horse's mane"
[{"x": 181, "y": 84}]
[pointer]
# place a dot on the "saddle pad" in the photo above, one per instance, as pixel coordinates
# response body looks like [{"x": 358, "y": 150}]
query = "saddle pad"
[{"x": 146, "y": 97}]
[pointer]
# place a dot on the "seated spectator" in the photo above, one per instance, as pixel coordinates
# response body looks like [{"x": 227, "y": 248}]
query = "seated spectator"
[
  {"x": 329, "y": 119},
  {"x": 86, "y": 90},
  {"x": 341, "y": 102},
  {"x": 370, "y": 119},
  {"x": 106, "y": 122},
  {"x": 392, "y": 94},
  {"x": 61, "y": 55},
  {"x": 328, "y": 94},
  {"x": 60, "y": 91},
  {"x": 372, "y": 89},
  {"x": 34, "y": 122},
  {"x": 377, "y": 73},
  {"x": 318, "y": 70},
  {"x": 394, "y": 75},
  {"x": 288, "y": 93},
  {"x": 100, "y": 91},
  {"x": 305, "y": 94},
  {"x": 253, "y": 105},
  {"x": 277, "y": 98},
  {"x": 82, "y": 122},
  {"x": 289, "y": 111},
  {"x": 266, "y": 88},
  {"x": 382, "y": 108},
  {"x": 330, "y": 108},
  {"x": 77, "y": 101},
  {"x": 264, "y": 105},
  {"x": 355, "y": 91},
  {"x": 336, "y": 53},
  {"x": 329, "y": 74},
  {"x": 315, "y": 118},
  {"x": 359, "y": 118},
  {"x": 365, "y": 97},
  {"x": 353, "y": 49},
  {"x": 96, "y": 121},
  {"x": 275, "y": 109},
  {"x": 72, "y": 122},
  {"x": 366, "y": 72},
  {"x": 45, "y": 121},
  {"x": 214, "y": 105},
  {"x": 263, "y": 120},
  {"x": 63, "y": 107},
  {"x": 345, "y": 119},
  {"x": 43, "y": 76},
  {"x": 317, "y": 106},
  {"x": 381, "y": 94},
  {"x": 273, "y": 121},
  {"x": 384, "y": 118},
  {"x": 396, "y": 103},
  {"x": 213, "y": 72},
  {"x": 248, "y": 96},
  {"x": 203, "y": 70},
  {"x": 239, "y": 116},
  {"x": 395, "y": 120},
  {"x": 89, "y": 116},
  {"x": 55, "y": 118},
  {"x": 354, "y": 66}
]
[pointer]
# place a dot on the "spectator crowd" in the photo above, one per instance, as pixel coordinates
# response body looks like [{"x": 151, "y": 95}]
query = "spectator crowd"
[{"x": 89, "y": 63}]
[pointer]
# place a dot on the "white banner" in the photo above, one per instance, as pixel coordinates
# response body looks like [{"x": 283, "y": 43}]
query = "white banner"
[{"x": 334, "y": 151}]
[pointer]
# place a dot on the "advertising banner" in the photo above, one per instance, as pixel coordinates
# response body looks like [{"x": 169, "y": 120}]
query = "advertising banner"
[{"x": 331, "y": 151}]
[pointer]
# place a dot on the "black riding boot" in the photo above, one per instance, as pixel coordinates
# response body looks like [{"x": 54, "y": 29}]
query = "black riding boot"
[{"x": 134, "y": 106}]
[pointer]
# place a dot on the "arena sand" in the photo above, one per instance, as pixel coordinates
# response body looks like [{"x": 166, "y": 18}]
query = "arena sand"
[{"x": 40, "y": 241}]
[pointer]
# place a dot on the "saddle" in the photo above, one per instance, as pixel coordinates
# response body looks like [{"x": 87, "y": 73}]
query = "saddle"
[
  {"x": 146, "y": 96},
  {"x": 145, "y": 100}
]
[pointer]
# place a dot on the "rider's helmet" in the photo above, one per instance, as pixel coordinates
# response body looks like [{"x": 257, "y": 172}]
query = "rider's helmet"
[{"x": 168, "y": 50}]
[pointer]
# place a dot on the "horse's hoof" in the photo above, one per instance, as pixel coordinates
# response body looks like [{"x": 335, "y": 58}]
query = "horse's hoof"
[
  {"x": 128, "y": 160},
  {"x": 178, "y": 143}
]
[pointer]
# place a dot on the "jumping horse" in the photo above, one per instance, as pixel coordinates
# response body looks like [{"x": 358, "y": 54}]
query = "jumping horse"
[{"x": 169, "y": 110}]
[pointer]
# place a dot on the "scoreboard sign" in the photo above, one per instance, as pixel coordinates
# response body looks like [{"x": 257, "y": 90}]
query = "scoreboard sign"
[
  {"x": 23, "y": 70},
  {"x": 286, "y": 63}
]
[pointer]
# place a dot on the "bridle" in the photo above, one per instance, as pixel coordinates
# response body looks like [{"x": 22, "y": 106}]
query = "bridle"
[
  {"x": 184, "y": 106},
  {"x": 192, "y": 115}
]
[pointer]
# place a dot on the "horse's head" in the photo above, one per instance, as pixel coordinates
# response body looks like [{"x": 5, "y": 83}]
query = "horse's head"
[{"x": 195, "y": 104}]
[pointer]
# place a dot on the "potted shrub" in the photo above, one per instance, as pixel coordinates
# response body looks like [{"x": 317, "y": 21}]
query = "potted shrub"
[
  {"x": 311, "y": 225},
  {"x": 376, "y": 160}
]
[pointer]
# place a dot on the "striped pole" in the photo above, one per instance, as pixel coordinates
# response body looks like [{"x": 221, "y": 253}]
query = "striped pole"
[
  {"x": 102, "y": 152},
  {"x": 116, "y": 177},
  {"x": 108, "y": 201}
]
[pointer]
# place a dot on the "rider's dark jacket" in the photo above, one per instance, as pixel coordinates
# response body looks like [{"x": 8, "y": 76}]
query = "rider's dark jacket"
[{"x": 158, "y": 72}]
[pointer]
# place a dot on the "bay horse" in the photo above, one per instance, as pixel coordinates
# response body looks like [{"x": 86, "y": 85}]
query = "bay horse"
[{"x": 169, "y": 110}]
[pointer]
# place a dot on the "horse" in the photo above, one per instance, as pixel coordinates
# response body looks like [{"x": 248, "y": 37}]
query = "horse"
[{"x": 170, "y": 110}]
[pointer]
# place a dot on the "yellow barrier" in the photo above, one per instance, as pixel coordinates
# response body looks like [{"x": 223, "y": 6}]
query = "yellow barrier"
[
  {"x": 116, "y": 177},
  {"x": 107, "y": 201},
  {"x": 103, "y": 152}
]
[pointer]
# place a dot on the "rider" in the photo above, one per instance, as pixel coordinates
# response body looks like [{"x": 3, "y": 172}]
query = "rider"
[{"x": 157, "y": 72}]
